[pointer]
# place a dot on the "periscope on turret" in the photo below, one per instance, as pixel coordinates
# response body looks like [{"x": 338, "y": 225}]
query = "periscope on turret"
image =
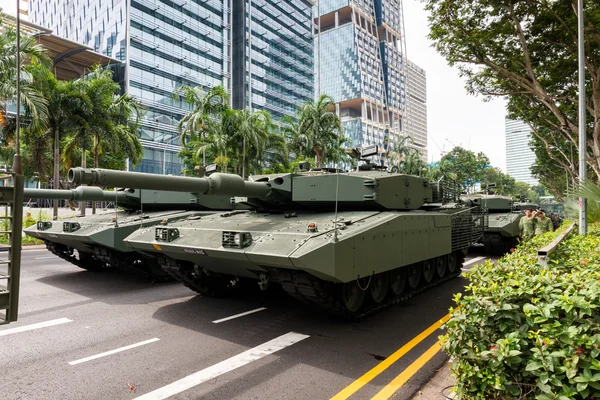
[{"x": 95, "y": 242}]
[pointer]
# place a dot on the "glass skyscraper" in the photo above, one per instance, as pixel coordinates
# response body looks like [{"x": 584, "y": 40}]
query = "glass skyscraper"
[
  {"x": 362, "y": 65},
  {"x": 519, "y": 156},
  {"x": 165, "y": 44},
  {"x": 281, "y": 55}
]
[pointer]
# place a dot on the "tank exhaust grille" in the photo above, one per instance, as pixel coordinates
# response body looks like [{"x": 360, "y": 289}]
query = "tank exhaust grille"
[
  {"x": 467, "y": 227},
  {"x": 445, "y": 191}
]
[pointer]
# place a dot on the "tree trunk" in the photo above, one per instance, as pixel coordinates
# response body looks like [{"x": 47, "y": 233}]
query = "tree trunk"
[
  {"x": 56, "y": 171},
  {"x": 82, "y": 204},
  {"x": 300, "y": 154},
  {"x": 96, "y": 144},
  {"x": 204, "y": 149},
  {"x": 318, "y": 151}
]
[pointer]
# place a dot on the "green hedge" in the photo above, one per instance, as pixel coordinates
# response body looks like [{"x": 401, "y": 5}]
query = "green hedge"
[
  {"x": 524, "y": 331},
  {"x": 28, "y": 220}
]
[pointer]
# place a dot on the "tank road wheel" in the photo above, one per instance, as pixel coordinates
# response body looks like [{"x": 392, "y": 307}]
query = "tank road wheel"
[
  {"x": 414, "y": 275},
  {"x": 398, "y": 280},
  {"x": 379, "y": 287},
  {"x": 441, "y": 266},
  {"x": 352, "y": 296},
  {"x": 428, "y": 270},
  {"x": 452, "y": 263}
]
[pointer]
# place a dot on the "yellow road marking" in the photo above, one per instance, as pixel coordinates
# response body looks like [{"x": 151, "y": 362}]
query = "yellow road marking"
[
  {"x": 382, "y": 366},
  {"x": 408, "y": 373}
]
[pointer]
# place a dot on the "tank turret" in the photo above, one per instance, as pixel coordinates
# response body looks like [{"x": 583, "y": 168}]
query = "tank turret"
[{"x": 355, "y": 190}]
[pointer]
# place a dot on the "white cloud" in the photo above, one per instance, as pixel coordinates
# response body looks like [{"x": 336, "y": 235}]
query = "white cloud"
[{"x": 452, "y": 113}]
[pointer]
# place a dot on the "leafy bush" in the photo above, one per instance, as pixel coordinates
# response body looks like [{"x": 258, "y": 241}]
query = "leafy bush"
[
  {"x": 28, "y": 220},
  {"x": 524, "y": 331}
]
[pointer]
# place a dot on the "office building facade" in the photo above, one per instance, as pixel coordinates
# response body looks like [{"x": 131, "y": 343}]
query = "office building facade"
[
  {"x": 360, "y": 50},
  {"x": 163, "y": 45},
  {"x": 519, "y": 157},
  {"x": 416, "y": 108},
  {"x": 277, "y": 41}
]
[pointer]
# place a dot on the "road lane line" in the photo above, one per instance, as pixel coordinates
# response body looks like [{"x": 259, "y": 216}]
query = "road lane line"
[
  {"x": 44, "y": 258},
  {"x": 218, "y": 321},
  {"x": 473, "y": 260},
  {"x": 35, "y": 326},
  {"x": 382, "y": 366},
  {"x": 108, "y": 353},
  {"x": 395, "y": 385},
  {"x": 228, "y": 365}
]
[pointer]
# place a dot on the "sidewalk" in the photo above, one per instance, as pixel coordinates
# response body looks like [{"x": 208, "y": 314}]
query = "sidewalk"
[{"x": 439, "y": 387}]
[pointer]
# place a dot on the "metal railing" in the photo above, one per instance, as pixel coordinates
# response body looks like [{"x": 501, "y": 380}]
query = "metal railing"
[{"x": 544, "y": 253}]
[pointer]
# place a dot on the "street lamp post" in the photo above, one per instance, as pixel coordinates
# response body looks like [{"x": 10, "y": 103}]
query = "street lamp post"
[{"x": 582, "y": 130}]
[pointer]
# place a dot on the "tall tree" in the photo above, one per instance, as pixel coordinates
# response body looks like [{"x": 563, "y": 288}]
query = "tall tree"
[
  {"x": 527, "y": 51},
  {"x": 296, "y": 139},
  {"x": 466, "y": 166},
  {"x": 34, "y": 59},
  {"x": 207, "y": 107},
  {"x": 322, "y": 126},
  {"x": 253, "y": 128}
]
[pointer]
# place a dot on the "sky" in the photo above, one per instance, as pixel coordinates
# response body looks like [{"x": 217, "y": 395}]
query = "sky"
[{"x": 453, "y": 116}]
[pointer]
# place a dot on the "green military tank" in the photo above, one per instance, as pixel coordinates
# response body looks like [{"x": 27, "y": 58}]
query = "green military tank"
[
  {"x": 349, "y": 242},
  {"x": 502, "y": 231},
  {"x": 95, "y": 242}
]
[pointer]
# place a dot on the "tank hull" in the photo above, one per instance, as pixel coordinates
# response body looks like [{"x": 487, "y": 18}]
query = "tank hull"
[
  {"x": 369, "y": 246},
  {"x": 502, "y": 232},
  {"x": 97, "y": 242}
]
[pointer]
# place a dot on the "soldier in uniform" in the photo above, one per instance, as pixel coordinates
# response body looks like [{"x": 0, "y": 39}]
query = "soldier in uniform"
[
  {"x": 543, "y": 224},
  {"x": 527, "y": 225}
]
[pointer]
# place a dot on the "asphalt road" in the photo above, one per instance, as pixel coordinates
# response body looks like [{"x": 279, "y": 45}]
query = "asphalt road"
[{"x": 108, "y": 335}]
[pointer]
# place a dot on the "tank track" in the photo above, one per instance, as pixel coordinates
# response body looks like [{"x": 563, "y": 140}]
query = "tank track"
[
  {"x": 193, "y": 278},
  {"x": 134, "y": 263},
  {"x": 82, "y": 260},
  {"x": 497, "y": 244},
  {"x": 311, "y": 290}
]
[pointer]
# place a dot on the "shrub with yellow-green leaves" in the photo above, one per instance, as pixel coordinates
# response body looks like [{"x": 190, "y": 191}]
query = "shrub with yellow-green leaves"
[{"x": 522, "y": 331}]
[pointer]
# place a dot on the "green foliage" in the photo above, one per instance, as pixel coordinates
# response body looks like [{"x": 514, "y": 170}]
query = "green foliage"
[
  {"x": 465, "y": 166},
  {"x": 526, "y": 331},
  {"x": 28, "y": 220},
  {"x": 527, "y": 51}
]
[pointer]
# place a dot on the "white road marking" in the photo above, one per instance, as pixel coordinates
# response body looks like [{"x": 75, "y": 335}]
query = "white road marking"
[
  {"x": 44, "y": 258},
  {"x": 35, "y": 326},
  {"x": 108, "y": 353},
  {"x": 228, "y": 365},
  {"x": 218, "y": 321},
  {"x": 473, "y": 261}
]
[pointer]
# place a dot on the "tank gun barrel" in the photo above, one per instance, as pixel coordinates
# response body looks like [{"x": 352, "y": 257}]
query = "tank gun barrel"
[
  {"x": 80, "y": 194},
  {"x": 216, "y": 184}
]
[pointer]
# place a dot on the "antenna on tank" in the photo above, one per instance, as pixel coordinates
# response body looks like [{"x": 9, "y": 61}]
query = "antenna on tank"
[
  {"x": 141, "y": 210},
  {"x": 335, "y": 218},
  {"x": 116, "y": 208}
]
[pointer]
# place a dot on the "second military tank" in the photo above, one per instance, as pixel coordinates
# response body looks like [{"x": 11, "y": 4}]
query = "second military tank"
[
  {"x": 350, "y": 242},
  {"x": 502, "y": 230},
  {"x": 95, "y": 242}
]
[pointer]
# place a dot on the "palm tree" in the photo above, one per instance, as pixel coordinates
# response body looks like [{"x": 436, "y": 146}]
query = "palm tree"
[
  {"x": 321, "y": 124},
  {"x": 253, "y": 129},
  {"x": 399, "y": 151},
  {"x": 207, "y": 106},
  {"x": 295, "y": 138},
  {"x": 34, "y": 59}
]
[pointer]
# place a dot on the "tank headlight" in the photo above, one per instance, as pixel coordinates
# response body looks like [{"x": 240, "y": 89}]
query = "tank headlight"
[
  {"x": 236, "y": 239},
  {"x": 43, "y": 225},
  {"x": 312, "y": 227}
]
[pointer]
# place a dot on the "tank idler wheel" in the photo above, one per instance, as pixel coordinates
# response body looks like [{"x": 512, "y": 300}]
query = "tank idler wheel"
[
  {"x": 398, "y": 280},
  {"x": 441, "y": 266},
  {"x": 428, "y": 270},
  {"x": 379, "y": 287},
  {"x": 353, "y": 296},
  {"x": 452, "y": 263},
  {"x": 414, "y": 275}
]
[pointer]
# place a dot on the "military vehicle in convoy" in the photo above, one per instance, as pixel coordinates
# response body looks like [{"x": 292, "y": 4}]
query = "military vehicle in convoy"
[
  {"x": 502, "y": 230},
  {"x": 349, "y": 242},
  {"x": 95, "y": 242}
]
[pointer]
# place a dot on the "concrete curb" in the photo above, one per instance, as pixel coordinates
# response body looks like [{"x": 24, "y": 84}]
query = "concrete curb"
[
  {"x": 439, "y": 387},
  {"x": 26, "y": 248}
]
